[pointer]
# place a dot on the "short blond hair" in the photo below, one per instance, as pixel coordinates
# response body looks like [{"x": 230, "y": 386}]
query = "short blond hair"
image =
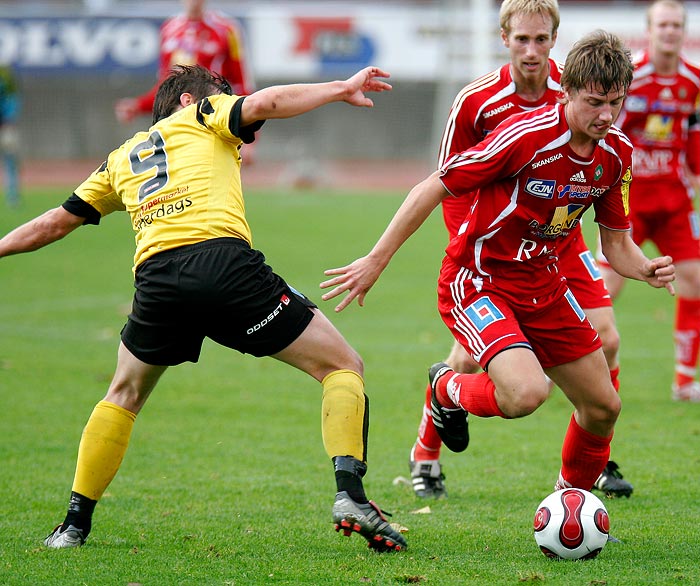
[{"x": 509, "y": 8}]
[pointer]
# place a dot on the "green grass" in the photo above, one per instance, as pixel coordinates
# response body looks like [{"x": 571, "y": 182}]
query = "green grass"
[{"x": 226, "y": 480}]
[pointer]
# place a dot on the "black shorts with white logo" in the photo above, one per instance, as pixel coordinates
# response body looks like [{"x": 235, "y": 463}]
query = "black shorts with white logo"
[{"x": 220, "y": 289}]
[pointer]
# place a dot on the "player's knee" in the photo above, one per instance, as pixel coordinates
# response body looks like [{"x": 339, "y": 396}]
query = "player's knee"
[
  {"x": 610, "y": 338},
  {"x": 689, "y": 283},
  {"x": 525, "y": 398},
  {"x": 612, "y": 408},
  {"x": 604, "y": 414},
  {"x": 613, "y": 282},
  {"x": 127, "y": 394},
  {"x": 348, "y": 359},
  {"x": 356, "y": 362},
  {"x": 464, "y": 363},
  {"x": 460, "y": 360}
]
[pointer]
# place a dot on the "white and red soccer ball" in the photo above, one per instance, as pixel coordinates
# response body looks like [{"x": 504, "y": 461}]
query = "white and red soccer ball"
[{"x": 571, "y": 524}]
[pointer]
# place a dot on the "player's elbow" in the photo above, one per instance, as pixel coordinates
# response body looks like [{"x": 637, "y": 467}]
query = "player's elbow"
[{"x": 56, "y": 224}]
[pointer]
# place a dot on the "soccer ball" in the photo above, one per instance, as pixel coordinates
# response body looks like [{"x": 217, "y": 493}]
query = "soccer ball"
[{"x": 571, "y": 524}]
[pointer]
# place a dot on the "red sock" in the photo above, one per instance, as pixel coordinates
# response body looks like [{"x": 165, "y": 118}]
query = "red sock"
[
  {"x": 583, "y": 456},
  {"x": 614, "y": 377},
  {"x": 427, "y": 446},
  {"x": 475, "y": 393},
  {"x": 687, "y": 339}
]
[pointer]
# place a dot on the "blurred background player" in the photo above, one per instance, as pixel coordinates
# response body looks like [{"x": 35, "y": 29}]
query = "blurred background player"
[
  {"x": 530, "y": 80},
  {"x": 659, "y": 116},
  {"x": 9, "y": 138},
  {"x": 197, "y": 36}
]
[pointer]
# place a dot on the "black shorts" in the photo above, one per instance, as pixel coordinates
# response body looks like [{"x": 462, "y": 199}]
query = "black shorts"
[{"x": 220, "y": 289}]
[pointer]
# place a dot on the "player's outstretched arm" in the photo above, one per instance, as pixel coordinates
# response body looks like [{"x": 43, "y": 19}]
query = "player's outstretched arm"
[
  {"x": 42, "y": 230},
  {"x": 357, "y": 278},
  {"x": 629, "y": 261},
  {"x": 286, "y": 101}
]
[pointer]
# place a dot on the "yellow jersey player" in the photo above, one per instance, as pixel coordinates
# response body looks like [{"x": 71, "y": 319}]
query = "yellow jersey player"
[{"x": 197, "y": 276}]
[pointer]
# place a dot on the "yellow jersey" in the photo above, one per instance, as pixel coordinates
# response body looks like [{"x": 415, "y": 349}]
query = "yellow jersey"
[{"x": 180, "y": 180}]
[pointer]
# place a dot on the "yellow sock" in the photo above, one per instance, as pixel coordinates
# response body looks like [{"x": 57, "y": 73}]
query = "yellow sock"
[
  {"x": 345, "y": 415},
  {"x": 102, "y": 448}
]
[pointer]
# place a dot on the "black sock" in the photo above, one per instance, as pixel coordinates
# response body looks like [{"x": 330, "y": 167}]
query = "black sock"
[
  {"x": 79, "y": 514},
  {"x": 348, "y": 477},
  {"x": 352, "y": 485}
]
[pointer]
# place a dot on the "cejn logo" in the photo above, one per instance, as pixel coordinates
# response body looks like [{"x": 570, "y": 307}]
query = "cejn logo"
[{"x": 543, "y": 188}]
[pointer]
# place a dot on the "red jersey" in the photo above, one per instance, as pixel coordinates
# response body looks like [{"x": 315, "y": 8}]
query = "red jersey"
[
  {"x": 485, "y": 103},
  {"x": 478, "y": 108},
  {"x": 533, "y": 190},
  {"x": 656, "y": 117},
  {"x": 213, "y": 42}
]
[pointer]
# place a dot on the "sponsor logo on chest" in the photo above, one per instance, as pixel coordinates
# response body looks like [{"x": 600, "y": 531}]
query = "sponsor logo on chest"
[{"x": 499, "y": 110}]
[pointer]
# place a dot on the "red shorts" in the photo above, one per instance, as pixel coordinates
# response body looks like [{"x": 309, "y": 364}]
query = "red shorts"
[
  {"x": 676, "y": 234},
  {"x": 488, "y": 316},
  {"x": 582, "y": 274}
]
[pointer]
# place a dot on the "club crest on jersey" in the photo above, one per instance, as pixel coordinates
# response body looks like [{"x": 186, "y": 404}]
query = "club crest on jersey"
[
  {"x": 483, "y": 313},
  {"x": 543, "y": 188}
]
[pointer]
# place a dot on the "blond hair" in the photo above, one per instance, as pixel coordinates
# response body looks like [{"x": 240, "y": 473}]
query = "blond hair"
[{"x": 509, "y": 8}]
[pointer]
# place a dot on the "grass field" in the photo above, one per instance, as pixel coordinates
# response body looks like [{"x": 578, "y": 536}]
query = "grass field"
[{"x": 226, "y": 480}]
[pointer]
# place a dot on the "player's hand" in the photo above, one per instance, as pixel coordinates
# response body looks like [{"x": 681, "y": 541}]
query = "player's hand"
[
  {"x": 363, "y": 81},
  {"x": 660, "y": 272},
  {"x": 356, "y": 279},
  {"x": 125, "y": 110}
]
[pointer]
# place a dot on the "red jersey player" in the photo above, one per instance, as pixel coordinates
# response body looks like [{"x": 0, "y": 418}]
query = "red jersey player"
[
  {"x": 197, "y": 37},
  {"x": 500, "y": 291},
  {"x": 530, "y": 80},
  {"x": 659, "y": 118}
]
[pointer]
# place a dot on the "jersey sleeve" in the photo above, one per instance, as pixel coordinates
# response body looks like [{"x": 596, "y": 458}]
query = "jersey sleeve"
[
  {"x": 97, "y": 192},
  {"x": 82, "y": 209},
  {"x": 495, "y": 158},
  {"x": 612, "y": 210},
  {"x": 222, "y": 114},
  {"x": 460, "y": 132}
]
